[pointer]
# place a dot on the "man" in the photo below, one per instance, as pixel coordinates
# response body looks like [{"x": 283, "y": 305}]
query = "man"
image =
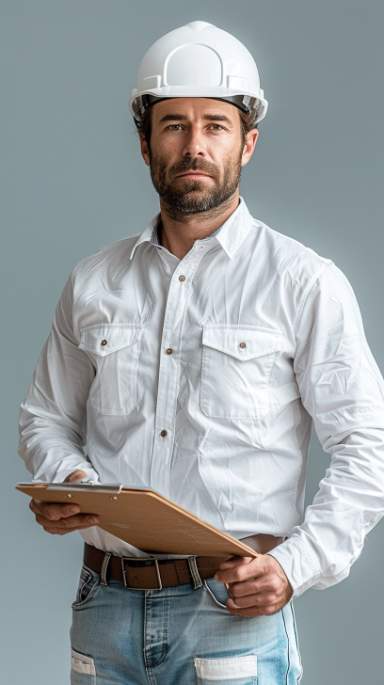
[{"x": 193, "y": 358}]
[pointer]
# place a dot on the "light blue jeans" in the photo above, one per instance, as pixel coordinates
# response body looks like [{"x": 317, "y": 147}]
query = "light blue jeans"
[{"x": 177, "y": 636}]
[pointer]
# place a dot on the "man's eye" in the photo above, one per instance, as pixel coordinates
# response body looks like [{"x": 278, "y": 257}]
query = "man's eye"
[{"x": 174, "y": 126}]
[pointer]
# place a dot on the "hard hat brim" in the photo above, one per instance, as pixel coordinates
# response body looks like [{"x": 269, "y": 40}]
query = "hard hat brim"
[{"x": 244, "y": 101}]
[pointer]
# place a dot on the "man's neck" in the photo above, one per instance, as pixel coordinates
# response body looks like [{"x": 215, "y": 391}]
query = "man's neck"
[{"x": 179, "y": 234}]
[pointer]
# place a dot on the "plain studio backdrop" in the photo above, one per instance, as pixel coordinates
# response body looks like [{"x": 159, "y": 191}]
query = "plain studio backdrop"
[{"x": 73, "y": 180}]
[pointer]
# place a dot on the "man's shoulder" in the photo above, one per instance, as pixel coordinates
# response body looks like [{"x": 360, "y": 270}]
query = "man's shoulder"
[
  {"x": 110, "y": 252},
  {"x": 289, "y": 257},
  {"x": 109, "y": 259}
]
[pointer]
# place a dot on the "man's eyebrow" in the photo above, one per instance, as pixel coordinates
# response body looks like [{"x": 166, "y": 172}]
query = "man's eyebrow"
[{"x": 183, "y": 117}]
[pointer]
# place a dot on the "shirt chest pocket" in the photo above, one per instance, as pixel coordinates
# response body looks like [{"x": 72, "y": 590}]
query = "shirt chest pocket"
[
  {"x": 235, "y": 373},
  {"x": 114, "y": 350}
]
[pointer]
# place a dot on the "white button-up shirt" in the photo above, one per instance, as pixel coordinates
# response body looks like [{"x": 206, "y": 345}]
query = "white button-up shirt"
[{"x": 201, "y": 378}]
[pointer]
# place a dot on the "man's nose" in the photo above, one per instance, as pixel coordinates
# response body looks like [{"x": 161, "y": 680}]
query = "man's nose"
[{"x": 194, "y": 143}]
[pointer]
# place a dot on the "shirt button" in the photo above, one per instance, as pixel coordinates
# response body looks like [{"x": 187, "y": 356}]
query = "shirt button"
[
  {"x": 242, "y": 345},
  {"x": 104, "y": 342},
  {"x": 181, "y": 277},
  {"x": 169, "y": 350},
  {"x": 163, "y": 433}
]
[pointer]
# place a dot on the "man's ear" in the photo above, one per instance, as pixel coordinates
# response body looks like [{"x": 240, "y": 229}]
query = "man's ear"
[
  {"x": 249, "y": 145},
  {"x": 144, "y": 149}
]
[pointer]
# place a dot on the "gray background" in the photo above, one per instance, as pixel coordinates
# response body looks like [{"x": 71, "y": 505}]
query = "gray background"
[{"x": 72, "y": 180}]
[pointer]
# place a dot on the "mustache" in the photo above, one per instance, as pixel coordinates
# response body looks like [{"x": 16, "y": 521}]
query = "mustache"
[{"x": 194, "y": 166}]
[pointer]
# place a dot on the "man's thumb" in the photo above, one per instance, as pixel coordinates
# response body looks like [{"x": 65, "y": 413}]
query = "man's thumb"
[{"x": 76, "y": 475}]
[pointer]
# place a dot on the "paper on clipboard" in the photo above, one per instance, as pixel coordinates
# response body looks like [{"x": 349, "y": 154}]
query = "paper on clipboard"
[{"x": 143, "y": 518}]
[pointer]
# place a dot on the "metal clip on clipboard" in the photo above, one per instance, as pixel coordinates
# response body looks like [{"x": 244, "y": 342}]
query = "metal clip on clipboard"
[{"x": 116, "y": 488}]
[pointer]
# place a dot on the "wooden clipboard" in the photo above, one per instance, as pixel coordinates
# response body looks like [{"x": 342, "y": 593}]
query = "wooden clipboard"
[{"x": 143, "y": 518}]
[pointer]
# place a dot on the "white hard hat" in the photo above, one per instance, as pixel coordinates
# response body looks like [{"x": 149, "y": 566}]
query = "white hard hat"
[{"x": 198, "y": 60}]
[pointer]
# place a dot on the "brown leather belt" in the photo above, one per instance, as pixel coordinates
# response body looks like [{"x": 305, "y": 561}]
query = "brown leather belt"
[{"x": 151, "y": 573}]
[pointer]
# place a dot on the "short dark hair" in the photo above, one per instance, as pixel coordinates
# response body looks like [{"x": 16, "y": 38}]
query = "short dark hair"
[
  {"x": 145, "y": 126},
  {"x": 246, "y": 121}
]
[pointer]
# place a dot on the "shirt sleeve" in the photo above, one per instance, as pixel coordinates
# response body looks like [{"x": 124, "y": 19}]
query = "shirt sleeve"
[
  {"x": 342, "y": 389},
  {"x": 52, "y": 415}
]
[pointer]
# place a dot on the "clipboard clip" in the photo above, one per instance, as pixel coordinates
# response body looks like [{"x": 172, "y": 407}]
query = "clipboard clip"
[{"x": 114, "y": 488}]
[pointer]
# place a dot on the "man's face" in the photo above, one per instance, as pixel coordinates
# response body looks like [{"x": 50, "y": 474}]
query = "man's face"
[{"x": 196, "y": 134}]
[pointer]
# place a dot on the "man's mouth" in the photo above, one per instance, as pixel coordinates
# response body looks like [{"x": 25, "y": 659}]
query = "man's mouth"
[{"x": 194, "y": 173}]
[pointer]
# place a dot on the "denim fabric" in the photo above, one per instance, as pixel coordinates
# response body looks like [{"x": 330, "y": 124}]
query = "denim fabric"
[{"x": 177, "y": 636}]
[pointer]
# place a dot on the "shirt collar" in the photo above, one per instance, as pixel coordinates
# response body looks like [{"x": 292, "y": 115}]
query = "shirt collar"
[{"x": 229, "y": 235}]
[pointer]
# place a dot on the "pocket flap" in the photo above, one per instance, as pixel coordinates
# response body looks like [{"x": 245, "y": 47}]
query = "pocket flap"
[
  {"x": 242, "y": 342},
  {"x": 107, "y": 338}
]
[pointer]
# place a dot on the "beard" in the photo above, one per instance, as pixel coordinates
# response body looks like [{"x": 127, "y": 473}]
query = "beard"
[{"x": 192, "y": 196}]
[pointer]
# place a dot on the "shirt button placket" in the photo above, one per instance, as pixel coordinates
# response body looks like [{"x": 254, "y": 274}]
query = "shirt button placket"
[{"x": 176, "y": 303}]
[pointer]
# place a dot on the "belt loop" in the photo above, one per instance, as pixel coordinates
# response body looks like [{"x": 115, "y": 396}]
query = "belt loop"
[
  {"x": 194, "y": 571},
  {"x": 104, "y": 568}
]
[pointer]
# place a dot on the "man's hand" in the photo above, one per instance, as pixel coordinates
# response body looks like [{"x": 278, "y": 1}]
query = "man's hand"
[
  {"x": 60, "y": 519},
  {"x": 256, "y": 586}
]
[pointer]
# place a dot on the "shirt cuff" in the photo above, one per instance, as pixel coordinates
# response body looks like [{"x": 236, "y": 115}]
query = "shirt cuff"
[
  {"x": 300, "y": 565},
  {"x": 68, "y": 466}
]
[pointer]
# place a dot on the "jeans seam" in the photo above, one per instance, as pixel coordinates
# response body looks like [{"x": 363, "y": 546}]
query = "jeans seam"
[
  {"x": 147, "y": 656},
  {"x": 288, "y": 650},
  {"x": 147, "y": 667},
  {"x": 297, "y": 642}
]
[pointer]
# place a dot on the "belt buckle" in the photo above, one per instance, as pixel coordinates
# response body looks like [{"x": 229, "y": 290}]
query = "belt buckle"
[{"x": 123, "y": 572}]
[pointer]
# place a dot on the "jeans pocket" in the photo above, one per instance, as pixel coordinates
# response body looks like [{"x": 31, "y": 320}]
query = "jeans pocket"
[
  {"x": 88, "y": 585},
  {"x": 217, "y": 591}
]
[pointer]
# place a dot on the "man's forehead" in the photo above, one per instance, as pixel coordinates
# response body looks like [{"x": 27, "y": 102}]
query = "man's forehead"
[{"x": 201, "y": 106}]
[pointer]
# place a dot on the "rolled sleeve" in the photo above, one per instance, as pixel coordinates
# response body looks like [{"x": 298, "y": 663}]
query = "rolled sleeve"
[
  {"x": 342, "y": 389},
  {"x": 52, "y": 415}
]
